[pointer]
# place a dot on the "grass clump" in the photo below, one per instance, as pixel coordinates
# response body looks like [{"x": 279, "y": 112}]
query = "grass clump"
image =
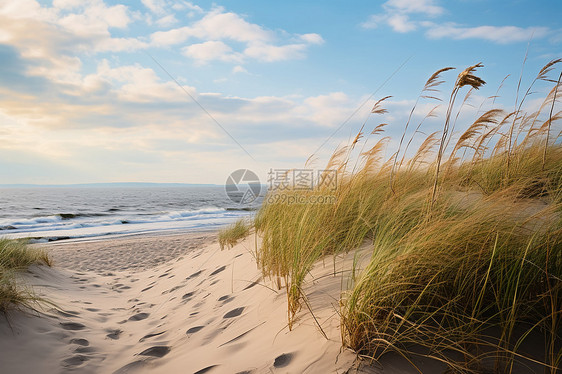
[
  {"x": 229, "y": 236},
  {"x": 15, "y": 256},
  {"x": 466, "y": 264}
]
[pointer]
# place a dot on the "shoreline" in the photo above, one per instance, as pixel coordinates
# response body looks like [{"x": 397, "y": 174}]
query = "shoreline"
[{"x": 167, "y": 304}]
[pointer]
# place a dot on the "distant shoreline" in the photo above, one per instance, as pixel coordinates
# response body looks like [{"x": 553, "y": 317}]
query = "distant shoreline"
[{"x": 106, "y": 185}]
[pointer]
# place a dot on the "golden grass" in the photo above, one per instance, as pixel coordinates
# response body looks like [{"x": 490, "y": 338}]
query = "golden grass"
[{"x": 467, "y": 242}]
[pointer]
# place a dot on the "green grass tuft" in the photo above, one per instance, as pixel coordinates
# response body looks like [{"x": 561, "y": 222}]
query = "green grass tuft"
[
  {"x": 15, "y": 256},
  {"x": 229, "y": 236}
]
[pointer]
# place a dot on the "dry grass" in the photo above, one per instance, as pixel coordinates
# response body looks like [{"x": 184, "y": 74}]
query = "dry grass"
[{"x": 467, "y": 238}]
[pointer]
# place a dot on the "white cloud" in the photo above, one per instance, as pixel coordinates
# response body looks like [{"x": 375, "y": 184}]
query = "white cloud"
[
  {"x": 155, "y": 6},
  {"x": 374, "y": 21},
  {"x": 214, "y": 26},
  {"x": 186, "y": 5},
  {"x": 211, "y": 50},
  {"x": 270, "y": 53},
  {"x": 497, "y": 34},
  {"x": 167, "y": 21},
  {"x": 219, "y": 25},
  {"x": 171, "y": 37},
  {"x": 47, "y": 33},
  {"x": 398, "y": 15},
  {"x": 30, "y": 9},
  {"x": 167, "y": 8},
  {"x": 217, "y": 28},
  {"x": 239, "y": 69},
  {"x": 401, "y": 23},
  {"x": 427, "y": 7},
  {"x": 326, "y": 110},
  {"x": 96, "y": 19},
  {"x": 134, "y": 83},
  {"x": 120, "y": 45},
  {"x": 312, "y": 38},
  {"x": 67, "y": 4}
]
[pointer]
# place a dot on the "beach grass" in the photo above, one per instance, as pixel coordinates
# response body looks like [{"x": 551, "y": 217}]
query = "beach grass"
[
  {"x": 16, "y": 256},
  {"x": 466, "y": 236},
  {"x": 230, "y": 235}
]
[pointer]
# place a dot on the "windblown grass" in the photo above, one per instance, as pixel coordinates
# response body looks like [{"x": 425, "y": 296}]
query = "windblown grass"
[
  {"x": 16, "y": 256},
  {"x": 467, "y": 243},
  {"x": 229, "y": 236}
]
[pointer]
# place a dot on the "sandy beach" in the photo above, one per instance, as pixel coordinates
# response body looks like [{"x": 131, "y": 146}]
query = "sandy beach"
[{"x": 170, "y": 304}]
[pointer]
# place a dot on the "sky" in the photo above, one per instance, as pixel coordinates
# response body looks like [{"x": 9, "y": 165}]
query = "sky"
[{"x": 178, "y": 91}]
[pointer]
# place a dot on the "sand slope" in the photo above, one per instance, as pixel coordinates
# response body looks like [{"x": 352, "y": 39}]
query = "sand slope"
[{"x": 169, "y": 304}]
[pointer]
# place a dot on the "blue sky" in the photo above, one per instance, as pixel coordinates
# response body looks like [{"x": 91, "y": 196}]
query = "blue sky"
[{"x": 84, "y": 96}]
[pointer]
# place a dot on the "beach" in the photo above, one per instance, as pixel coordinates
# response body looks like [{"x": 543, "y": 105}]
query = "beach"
[{"x": 170, "y": 304}]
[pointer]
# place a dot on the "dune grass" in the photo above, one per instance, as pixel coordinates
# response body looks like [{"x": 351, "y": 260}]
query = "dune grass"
[
  {"x": 230, "y": 235},
  {"x": 466, "y": 236},
  {"x": 16, "y": 256}
]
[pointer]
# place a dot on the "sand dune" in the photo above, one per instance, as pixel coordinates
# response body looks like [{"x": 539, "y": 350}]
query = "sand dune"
[{"x": 169, "y": 304}]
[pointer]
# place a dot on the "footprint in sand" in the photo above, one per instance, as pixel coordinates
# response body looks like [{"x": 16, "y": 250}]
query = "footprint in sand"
[
  {"x": 72, "y": 326},
  {"x": 131, "y": 367},
  {"x": 84, "y": 350},
  {"x": 114, "y": 334},
  {"x": 194, "y": 275},
  {"x": 205, "y": 370},
  {"x": 187, "y": 296},
  {"x": 174, "y": 289},
  {"x": 218, "y": 270},
  {"x": 151, "y": 336},
  {"x": 199, "y": 304},
  {"x": 156, "y": 351},
  {"x": 139, "y": 316},
  {"x": 82, "y": 342},
  {"x": 234, "y": 313},
  {"x": 283, "y": 360},
  {"x": 193, "y": 330},
  {"x": 75, "y": 360}
]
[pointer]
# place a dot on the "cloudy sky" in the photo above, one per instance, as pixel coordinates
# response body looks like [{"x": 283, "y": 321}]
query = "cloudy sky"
[{"x": 178, "y": 91}]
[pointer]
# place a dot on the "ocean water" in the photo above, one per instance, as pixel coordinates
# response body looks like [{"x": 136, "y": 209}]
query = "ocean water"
[{"x": 57, "y": 213}]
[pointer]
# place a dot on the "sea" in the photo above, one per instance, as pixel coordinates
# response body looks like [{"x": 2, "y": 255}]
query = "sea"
[{"x": 46, "y": 214}]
